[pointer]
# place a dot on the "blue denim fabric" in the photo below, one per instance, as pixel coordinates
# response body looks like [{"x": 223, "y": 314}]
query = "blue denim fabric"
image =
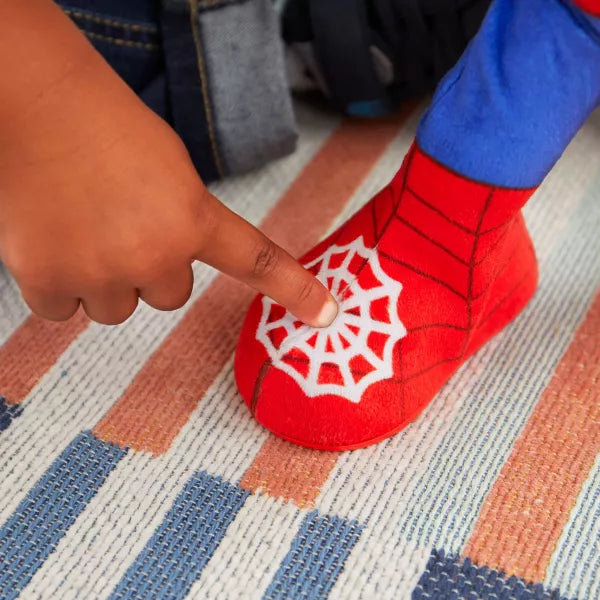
[
  {"x": 128, "y": 37},
  {"x": 151, "y": 46}
]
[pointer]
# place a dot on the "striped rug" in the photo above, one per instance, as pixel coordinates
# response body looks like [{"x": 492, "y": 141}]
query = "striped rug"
[{"x": 130, "y": 467}]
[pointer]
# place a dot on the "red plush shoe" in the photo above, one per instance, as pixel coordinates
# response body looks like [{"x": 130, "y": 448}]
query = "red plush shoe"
[{"x": 426, "y": 273}]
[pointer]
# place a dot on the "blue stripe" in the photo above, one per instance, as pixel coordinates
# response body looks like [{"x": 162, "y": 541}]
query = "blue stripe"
[
  {"x": 174, "y": 557},
  {"x": 41, "y": 520},
  {"x": 8, "y": 413},
  {"x": 448, "y": 577},
  {"x": 316, "y": 558}
]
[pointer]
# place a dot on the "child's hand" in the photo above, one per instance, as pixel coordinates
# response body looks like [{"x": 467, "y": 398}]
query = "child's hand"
[{"x": 100, "y": 204}]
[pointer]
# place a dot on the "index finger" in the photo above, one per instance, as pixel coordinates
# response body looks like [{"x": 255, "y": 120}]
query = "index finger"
[{"x": 237, "y": 248}]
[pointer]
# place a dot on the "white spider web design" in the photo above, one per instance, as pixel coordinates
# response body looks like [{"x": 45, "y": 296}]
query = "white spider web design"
[{"x": 355, "y": 351}]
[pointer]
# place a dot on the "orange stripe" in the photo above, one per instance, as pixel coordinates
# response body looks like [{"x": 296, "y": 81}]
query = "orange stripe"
[
  {"x": 169, "y": 387},
  {"x": 529, "y": 505},
  {"x": 31, "y": 350},
  {"x": 290, "y": 472}
]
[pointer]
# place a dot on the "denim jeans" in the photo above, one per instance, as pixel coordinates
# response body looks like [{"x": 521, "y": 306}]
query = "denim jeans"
[{"x": 213, "y": 69}]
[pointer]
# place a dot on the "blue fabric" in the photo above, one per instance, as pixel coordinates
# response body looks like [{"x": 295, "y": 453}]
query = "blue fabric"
[
  {"x": 447, "y": 577},
  {"x": 316, "y": 558},
  {"x": 135, "y": 10},
  {"x": 152, "y": 48},
  {"x": 187, "y": 96},
  {"x": 184, "y": 542},
  {"x": 40, "y": 521},
  {"x": 524, "y": 86},
  {"x": 128, "y": 38},
  {"x": 8, "y": 413}
]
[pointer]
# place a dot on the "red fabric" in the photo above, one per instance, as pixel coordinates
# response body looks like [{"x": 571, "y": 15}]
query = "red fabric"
[
  {"x": 591, "y": 6},
  {"x": 464, "y": 258}
]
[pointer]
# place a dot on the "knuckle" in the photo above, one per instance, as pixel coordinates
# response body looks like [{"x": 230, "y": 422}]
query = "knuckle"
[
  {"x": 306, "y": 289},
  {"x": 265, "y": 259},
  {"x": 102, "y": 309},
  {"x": 203, "y": 215},
  {"x": 115, "y": 317},
  {"x": 145, "y": 269},
  {"x": 119, "y": 319},
  {"x": 41, "y": 284},
  {"x": 27, "y": 272},
  {"x": 107, "y": 319},
  {"x": 174, "y": 303},
  {"x": 143, "y": 273},
  {"x": 64, "y": 314},
  {"x": 171, "y": 302},
  {"x": 96, "y": 279}
]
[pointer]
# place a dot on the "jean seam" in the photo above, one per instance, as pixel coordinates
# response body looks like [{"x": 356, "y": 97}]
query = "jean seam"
[
  {"x": 193, "y": 6},
  {"x": 119, "y": 42},
  {"x": 109, "y": 21}
]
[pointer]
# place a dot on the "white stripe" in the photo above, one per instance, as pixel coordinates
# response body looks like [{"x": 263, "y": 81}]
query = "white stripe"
[
  {"x": 13, "y": 311},
  {"x": 428, "y": 483},
  {"x": 220, "y": 435},
  {"x": 117, "y": 522},
  {"x": 251, "y": 551},
  {"x": 379, "y": 567},
  {"x": 98, "y": 367},
  {"x": 522, "y": 361},
  {"x": 575, "y": 563},
  {"x": 96, "y": 551}
]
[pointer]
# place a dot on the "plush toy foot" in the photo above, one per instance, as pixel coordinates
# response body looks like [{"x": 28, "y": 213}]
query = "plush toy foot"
[{"x": 427, "y": 272}]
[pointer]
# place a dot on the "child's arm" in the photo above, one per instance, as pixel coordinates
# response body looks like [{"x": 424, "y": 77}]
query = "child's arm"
[{"x": 99, "y": 201}]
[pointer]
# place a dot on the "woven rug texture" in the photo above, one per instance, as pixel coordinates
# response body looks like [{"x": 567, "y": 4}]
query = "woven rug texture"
[{"x": 130, "y": 467}]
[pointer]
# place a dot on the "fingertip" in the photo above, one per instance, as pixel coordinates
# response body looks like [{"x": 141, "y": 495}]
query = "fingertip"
[{"x": 327, "y": 314}]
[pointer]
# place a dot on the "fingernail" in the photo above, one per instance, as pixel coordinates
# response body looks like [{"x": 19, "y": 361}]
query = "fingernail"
[{"x": 327, "y": 314}]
